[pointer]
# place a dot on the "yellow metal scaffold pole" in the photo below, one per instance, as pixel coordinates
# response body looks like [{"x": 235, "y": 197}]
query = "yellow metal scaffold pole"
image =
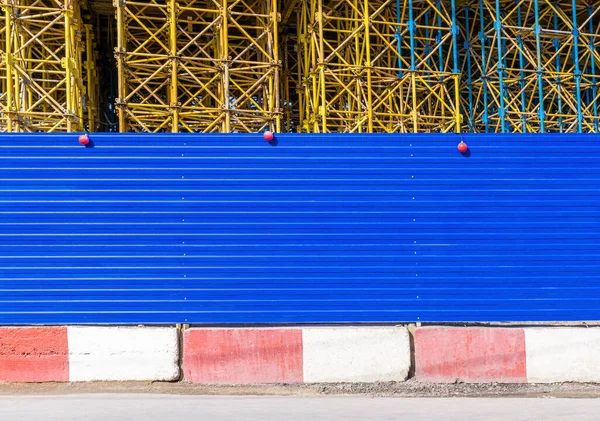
[{"x": 91, "y": 78}]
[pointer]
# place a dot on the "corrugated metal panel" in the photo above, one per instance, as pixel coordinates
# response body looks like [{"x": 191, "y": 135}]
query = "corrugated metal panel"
[{"x": 336, "y": 228}]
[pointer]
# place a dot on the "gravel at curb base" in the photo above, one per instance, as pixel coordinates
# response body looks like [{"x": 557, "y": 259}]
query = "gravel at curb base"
[{"x": 393, "y": 389}]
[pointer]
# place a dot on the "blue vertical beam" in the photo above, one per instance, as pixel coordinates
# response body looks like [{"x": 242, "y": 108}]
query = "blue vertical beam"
[
  {"x": 577, "y": 67},
  {"x": 399, "y": 39},
  {"x": 428, "y": 50},
  {"x": 587, "y": 91},
  {"x": 469, "y": 68},
  {"x": 413, "y": 64},
  {"x": 455, "y": 69},
  {"x": 484, "y": 69},
  {"x": 556, "y": 42},
  {"x": 540, "y": 68},
  {"x": 498, "y": 28},
  {"x": 522, "y": 74},
  {"x": 504, "y": 45},
  {"x": 592, "y": 48}
]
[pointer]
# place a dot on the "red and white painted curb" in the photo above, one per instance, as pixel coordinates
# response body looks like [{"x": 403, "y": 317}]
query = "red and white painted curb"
[
  {"x": 309, "y": 355},
  {"x": 507, "y": 355},
  {"x": 61, "y": 354},
  {"x": 297, "y": 355}
]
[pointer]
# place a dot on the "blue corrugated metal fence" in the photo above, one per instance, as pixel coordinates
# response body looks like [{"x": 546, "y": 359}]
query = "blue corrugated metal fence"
[{"x": 334, "y": 228}]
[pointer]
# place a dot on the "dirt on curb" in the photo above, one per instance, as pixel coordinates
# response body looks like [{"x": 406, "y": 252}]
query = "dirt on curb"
[{"x": 394, "y": 389}]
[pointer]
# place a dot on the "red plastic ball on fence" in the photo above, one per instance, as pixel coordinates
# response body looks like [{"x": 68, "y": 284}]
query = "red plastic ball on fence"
[
  {"x": 84, "y": 139},
  {"x": 269, "y": 136},
  {"x": 462, "y": 147}
]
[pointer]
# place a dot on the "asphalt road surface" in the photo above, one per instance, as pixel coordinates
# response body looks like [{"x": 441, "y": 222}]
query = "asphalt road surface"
[{"x": 106, "y": 407}]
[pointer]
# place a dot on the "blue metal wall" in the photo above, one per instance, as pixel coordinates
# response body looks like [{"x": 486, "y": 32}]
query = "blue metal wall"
[{"x": 336, "y": 228}]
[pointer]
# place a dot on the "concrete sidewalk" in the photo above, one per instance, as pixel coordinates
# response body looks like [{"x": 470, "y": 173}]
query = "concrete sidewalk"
[{"x": 125, "y": 407}]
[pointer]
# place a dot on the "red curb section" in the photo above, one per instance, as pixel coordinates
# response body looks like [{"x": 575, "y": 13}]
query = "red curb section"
[
  {"x": 470, "y": 355},
  {"x": 243, "y": 356},
  {"x": 33, "y": 354}
]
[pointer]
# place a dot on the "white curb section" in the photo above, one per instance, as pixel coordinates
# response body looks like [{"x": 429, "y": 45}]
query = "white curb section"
[
  {"x": 355, "y": 354},
  {"x": 556, "y": 355},
  {"x": 123, "y": 354}
]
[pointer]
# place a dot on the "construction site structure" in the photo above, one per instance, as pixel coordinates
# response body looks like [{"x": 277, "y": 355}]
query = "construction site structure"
[
  {"x": 379, "y": 65},
  {"x": 531, "y": 66},
  {"x": 41, "y": 73},
  {"x": 313, "y": 66},
  {"x": 198, "y": 65}
]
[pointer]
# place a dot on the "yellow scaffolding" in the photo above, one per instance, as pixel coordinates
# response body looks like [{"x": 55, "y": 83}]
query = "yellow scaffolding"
[
  {"x": 41, "y": 76},
  {"x": 379, "y": 66},
  {"x": 198, "y": 65}
]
